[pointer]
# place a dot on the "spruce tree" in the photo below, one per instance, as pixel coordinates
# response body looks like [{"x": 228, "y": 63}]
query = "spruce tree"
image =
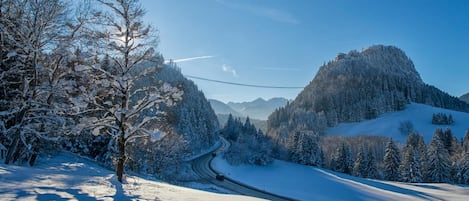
[
  {"x": 343, "y": 162},
  {"x": 410, "y": 167},
  {"x": 465, "y": 142},
  {"x": 464, "y": 171},
  {"x": 438, "y": 159},
  {"x": 372, "y": 170},
  {"x": 359, "y": 167},
  {"x": 391, "y": 162}
]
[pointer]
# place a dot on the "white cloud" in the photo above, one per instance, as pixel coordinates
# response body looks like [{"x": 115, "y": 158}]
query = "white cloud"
[
  {"x": 229, "y": 69},
  {"x": 266, "y": 12},
  {"x": 189, "y": 59}
]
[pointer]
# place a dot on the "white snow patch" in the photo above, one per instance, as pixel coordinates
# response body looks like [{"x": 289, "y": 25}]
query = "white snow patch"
[
  {"x": 308, "y": 183},
  {"x": 67, "y": 177},
  {"x": 419, "y": 114}
]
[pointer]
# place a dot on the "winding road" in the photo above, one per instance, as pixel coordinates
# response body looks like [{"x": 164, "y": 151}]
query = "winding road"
[{"x": 202, "y": 166}]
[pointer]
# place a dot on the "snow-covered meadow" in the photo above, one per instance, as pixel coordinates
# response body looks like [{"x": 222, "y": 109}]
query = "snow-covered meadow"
[
  {"x": 308, "y": 183},
  {"x": 67, "y": 177},
  {"x": 419, "y": 114}
]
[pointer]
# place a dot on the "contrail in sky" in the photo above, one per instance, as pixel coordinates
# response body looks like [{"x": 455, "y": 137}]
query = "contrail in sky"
[{"x": 189, "y": 59}]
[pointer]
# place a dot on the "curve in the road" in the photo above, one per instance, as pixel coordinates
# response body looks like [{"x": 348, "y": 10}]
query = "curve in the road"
[{"x": 203, "y": 167}]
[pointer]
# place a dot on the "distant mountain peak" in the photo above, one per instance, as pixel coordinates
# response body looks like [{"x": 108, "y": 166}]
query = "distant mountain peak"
[{"x": 257, "y": 109}]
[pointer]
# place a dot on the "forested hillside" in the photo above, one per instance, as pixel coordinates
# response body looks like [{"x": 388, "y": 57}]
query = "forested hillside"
[
  {"x": 359, "y": 86},
  {"x": 465, "y": 98}
]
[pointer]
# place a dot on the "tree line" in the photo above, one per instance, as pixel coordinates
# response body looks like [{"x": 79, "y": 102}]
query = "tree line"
[{"x": 445, "y": 159}]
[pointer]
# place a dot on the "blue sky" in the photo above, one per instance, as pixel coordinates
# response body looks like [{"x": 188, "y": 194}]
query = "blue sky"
[{"x": 284, "y": 42}]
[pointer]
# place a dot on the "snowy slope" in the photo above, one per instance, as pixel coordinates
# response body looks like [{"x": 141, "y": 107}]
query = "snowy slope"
[
  {"x": 308, "y": 183},
  {"x": 67, "y": 177},
  {"x": 419, "y": 114}
]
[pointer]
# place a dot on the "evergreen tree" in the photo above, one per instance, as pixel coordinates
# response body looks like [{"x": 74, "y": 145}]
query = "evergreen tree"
[
  {"x": 411, "y": 164},
  {"x": 410, "y": 167},
  {"x": 308, "y": 151},
  {"x": 438, "y": 159},
  {"x": 465, "y": 142},
  {"x": 372, "y": 170},
  {"x": 464, "y": 171},
  {"x": 448, "y": 141},
  {"x": 343, "y": 161},
  {"x": 360, "y": 165},
  {"x": 391, "y": 162}
]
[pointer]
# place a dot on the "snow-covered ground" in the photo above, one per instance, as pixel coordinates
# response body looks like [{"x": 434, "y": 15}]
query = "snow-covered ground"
[
  {"x": 308, "y": 183},
  {"x": 66, "y": 177},
  {"x": 419, "y": 114}
]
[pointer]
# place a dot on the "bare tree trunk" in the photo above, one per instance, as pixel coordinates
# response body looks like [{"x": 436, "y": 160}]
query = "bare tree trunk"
[
  {"x": 11, "y": 150},
  {"x": 121, "y": 158},
  {"x": 121, "y": 147}
]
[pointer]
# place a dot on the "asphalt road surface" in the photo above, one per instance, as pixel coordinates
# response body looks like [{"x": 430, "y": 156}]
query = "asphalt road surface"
[{"x": 201, "y": 166}]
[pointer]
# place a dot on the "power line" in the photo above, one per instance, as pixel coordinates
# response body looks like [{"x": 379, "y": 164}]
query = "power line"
[{"x": 241, "y": 84}]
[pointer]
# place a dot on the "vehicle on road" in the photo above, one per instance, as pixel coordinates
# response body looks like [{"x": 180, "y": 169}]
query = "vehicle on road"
[{"x": 220, "y": 177}]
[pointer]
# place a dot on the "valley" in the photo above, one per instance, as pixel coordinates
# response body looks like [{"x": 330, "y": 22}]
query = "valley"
[{"x": 234, "y": 100}]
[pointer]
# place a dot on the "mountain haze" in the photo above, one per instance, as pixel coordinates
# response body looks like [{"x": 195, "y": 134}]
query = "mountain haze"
[
  {"x": 256, "y": 109},
  {"x": 222, "y": 108}
]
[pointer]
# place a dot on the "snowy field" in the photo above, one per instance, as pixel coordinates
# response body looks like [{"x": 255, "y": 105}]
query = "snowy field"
[
  {"x": 420, "y": 115},
  {"x": 308, "y": 183},
  {"x": 67, "y": 177}
]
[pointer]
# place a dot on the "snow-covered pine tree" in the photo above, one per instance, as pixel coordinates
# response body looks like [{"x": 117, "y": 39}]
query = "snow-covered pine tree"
[
  {"x": 124, "y": 107},
  {"x": 372, "y": 169},
  {"x": 249, "y": 128},
  {"x": 411, "y": 164},
  {"x": 360, "y": 165},
  {"x": 308, "y": 150},
  {"x": 247, "y": 147},
  {"x": 343, "y": 161},
  {"x": 465, "y": 142},
  {"x": 448, "y": 140},
  {"x": 438, "y": 159},
  {"x": 391, "y": 162},
  {"x": 463, "y": 175},
  {"x": 410, "y": 167}
]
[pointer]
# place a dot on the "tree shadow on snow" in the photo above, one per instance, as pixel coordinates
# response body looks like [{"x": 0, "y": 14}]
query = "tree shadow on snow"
[
  {"x": 380, "y": 185},
  {"x": 120, "y": 194},
  {"x": 427, "y": 186},
  {"x": 53, "y": 193}
]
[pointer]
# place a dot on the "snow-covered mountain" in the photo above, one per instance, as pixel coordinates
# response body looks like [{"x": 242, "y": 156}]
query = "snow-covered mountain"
[
  {"x": 359, "y": 86},
  {"x": 465, "y": 98},
  {"x": 256, "y": 109},
  {"x": 259, "y": 108},
  {"x": 222, "y": 108}
]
